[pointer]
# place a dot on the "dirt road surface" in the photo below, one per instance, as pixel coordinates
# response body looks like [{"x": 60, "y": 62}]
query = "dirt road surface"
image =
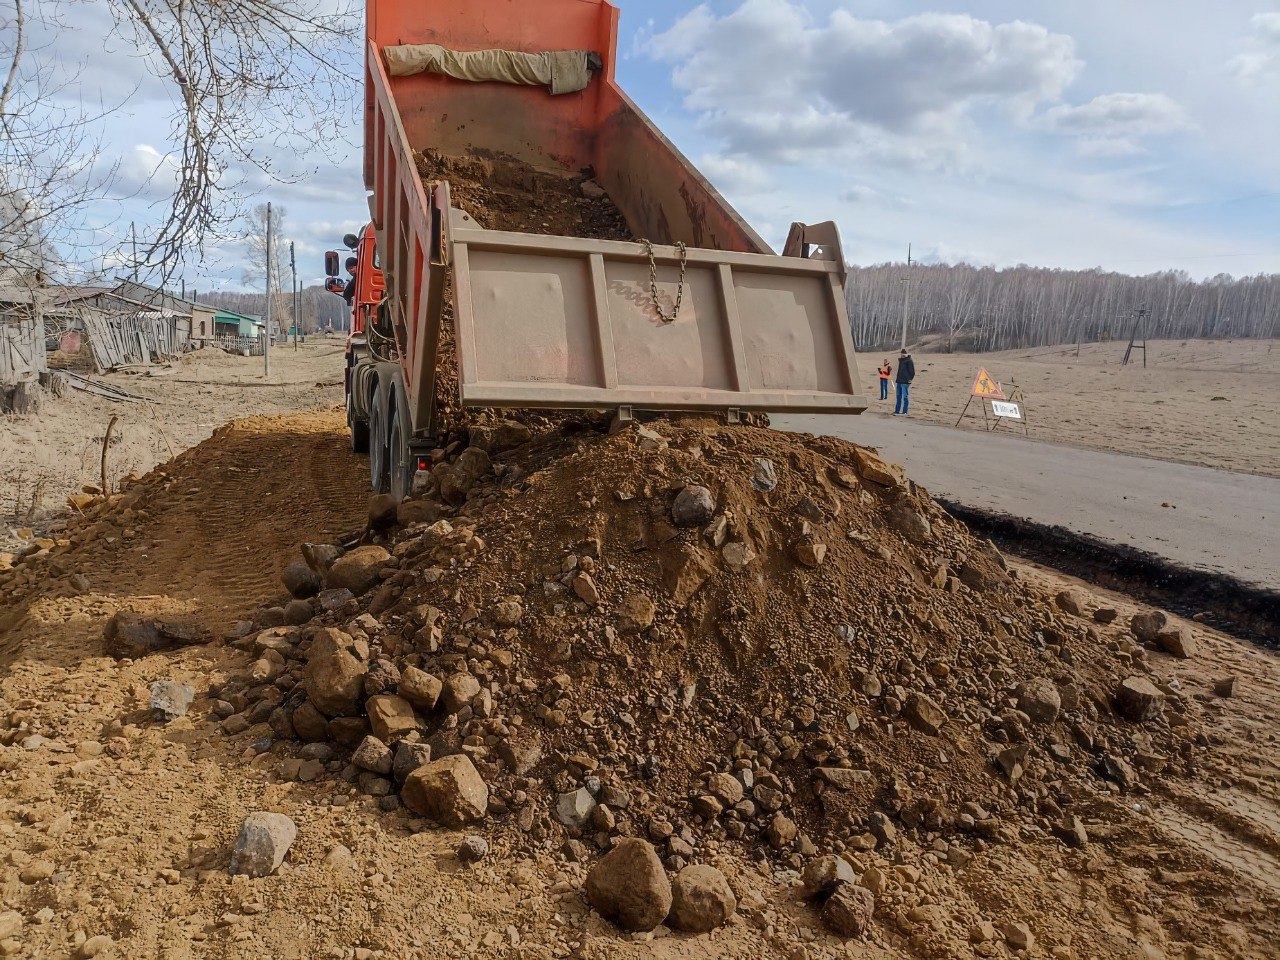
[
  {"x": 115, "y": 826},
  {"x": 1206, "y": 519}
]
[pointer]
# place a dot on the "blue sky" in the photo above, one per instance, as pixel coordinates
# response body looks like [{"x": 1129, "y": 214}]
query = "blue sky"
[{"x": 1137, "y": 137}]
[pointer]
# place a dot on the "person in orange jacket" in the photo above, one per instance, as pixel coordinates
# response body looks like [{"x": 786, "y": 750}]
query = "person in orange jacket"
[{"x": 886, "y": 372}]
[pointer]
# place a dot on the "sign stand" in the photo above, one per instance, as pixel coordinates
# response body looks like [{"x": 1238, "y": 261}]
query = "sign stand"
[{"x": 996, "y": 406}]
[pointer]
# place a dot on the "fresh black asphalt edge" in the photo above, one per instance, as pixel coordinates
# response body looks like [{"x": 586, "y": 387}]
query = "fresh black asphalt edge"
[{"x": 1217, "y": 600}]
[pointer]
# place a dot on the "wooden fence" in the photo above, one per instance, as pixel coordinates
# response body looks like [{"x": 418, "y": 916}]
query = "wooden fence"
[
  {"x": 22, "y": 354},
  {"x": 131, "y": 339}
]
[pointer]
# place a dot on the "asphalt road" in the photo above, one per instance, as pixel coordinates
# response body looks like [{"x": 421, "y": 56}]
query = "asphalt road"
[{"x": 1201, "y": 518}]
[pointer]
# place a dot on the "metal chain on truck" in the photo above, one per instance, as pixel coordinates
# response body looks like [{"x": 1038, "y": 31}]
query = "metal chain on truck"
[{"x": 653, "y": 281}]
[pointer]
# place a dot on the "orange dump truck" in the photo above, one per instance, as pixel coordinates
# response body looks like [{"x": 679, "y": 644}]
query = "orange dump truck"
[{"x": 699, "y": 315}]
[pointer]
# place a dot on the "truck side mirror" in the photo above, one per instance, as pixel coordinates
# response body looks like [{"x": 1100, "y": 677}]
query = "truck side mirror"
[
  {"x": 351, "y": 241},
  {"x": 334, "y": 285},
  {"x": 331, "y": 263}
]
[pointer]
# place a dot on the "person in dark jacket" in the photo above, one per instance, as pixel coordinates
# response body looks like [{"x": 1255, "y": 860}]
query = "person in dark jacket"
[
  {"x": 349, "y": 291},
  {"x": 906, "y": 373}
]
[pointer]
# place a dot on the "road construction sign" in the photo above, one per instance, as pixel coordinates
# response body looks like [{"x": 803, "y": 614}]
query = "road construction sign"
[
  {"x": 1009, "y": 410},
  {"x": 985, "y": 386}
]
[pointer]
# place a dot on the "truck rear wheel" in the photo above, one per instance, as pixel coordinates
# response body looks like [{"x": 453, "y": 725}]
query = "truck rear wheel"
[
  {"x": 380, "y": 437},
  {"x": 359, "y": 428},
  {"x": 400, "y": 464}
]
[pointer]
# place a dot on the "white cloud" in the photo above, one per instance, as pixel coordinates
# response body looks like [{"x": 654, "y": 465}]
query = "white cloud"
[
  {"x": 1261, "y": 59},
  {"x": 773, "y": 83},
  {"x": 1113, "y": 124},
  {"x": 146, "y": 173}
]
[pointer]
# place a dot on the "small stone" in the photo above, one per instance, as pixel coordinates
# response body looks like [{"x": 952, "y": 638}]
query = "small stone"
[
  {"x": 1145, "y": 626},
  {"x": 407, "y": 757},
  {"x": 586, "y": 589},
  {"x": 171, "y": 700},
  {"x": 574, "y": 809},
  {"x": 419, "y": 688},
  {"x": 782, "y": 831},
  {"x": 1018, "y": 936},
  {"x": 300, "y": 580},
  {"x": 870, "y": 467},
  {"x": 1105, "y": 615},
  {"x": 737, "y": 555},
  {"x": 458, "y": 690},
  {"x": 372, "y": 755},
  {"x": 923, "y": 714},
  {"x": 508, "y": 613},
  {"x": 693, "y": 507},
  {"x": 849, "y": 909},
  {"x": 473, "y": 848},
  {"x": 382, "y": 511},
  {"x": 298, "y": 612},
  {"x": 264, "y": 840},
  {"x": 309, "y": 724},
  {"x": 765, "y": 477},
  {"x": 1072, "y": 832},
  {"x": 629, "y": 886},
  {"x": 95, "y": 945},
  {"x": 1137, "y": 699},
  {"x": 334, "y": 674},
  {"x": 810, "y": 553},
  {"x": 822, "y": 875},
  {"x": 383, "y": 677},
  {"x": 725, "y": 786},
  {"x": 701, "y": 899},
  {"x": 10, "y": 924},
  {"x": 635, "y": 613},
  {"x": 449, "y": 791},
  {"x": 1039, "y": 699}
]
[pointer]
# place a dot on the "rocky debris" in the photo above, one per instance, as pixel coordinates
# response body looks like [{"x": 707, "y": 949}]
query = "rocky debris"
[
  {"x": 420, "y": 688},
  {"x": 390, "y": 717},
  {"x": 765, "y": 477},
  {"x": 1177, "y": 642},
  {"x": 473, "y": 849},
  {"x": 408, "y": 756},
  {"x": 131, "y": 636},
  {"x": 629, "y": 886},
  {"x": 335, "y": 671},
  {"x": 693, "y": 507},
  {"x": 298, "y": 612},
  {"x": 357, "y": 571},
  {"x": 1018, "y": 936},
  {"x": 1146, "y": 626},
  {"x": 458, "y": 690},
  {"x": 170, "y": 699},
  {"x": 1137, "y": 699},
  {"x": 574, "y": 809},
  {"x": 1070, "y": 602},
  {"x": 701, "y": 899},
  {"x": 264, "y": 840},
  {"x": 320, "y": 556},
  {"x": 373, "y": 755},
  {"x": 1105, "y": 615},
  {"x": 449, "y": 791},
  {"x": 1225, "y": 687},
  {"x": 849, "y": 910},
  {"x": 300, "y": 580},
  {"x": 1039, "y": 699},
  {"x": 822, "y": 875},
  {"x": 635, "y": 613},
  {"x": 871, "y": 467},
  {"x": 1072, "y": 832},
  {"x": 923, "y": 714},
  {"x": 382, "y": 511},
  {"x": 585, "y": 587},
  {"x": 810, "y": 553},
  {"x": 95, "y": 945}
]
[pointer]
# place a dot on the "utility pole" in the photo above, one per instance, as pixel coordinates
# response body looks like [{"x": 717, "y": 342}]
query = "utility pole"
[
  {"x": 906, "y": 298},
  {"x": 293, "y": 265},
  {"x": 266, "y": 333},
  {"x": 133, "y": 233}
]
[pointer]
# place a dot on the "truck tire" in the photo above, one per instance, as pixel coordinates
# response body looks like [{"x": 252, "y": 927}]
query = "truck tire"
[
  {"x": 359, "y": 428},
  {"x": 380, "y": 436},
  {"x": 399, "y": 462}
]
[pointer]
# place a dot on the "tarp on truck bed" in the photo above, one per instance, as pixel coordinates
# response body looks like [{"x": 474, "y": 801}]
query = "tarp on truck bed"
[{"x": 563, "y": 71}]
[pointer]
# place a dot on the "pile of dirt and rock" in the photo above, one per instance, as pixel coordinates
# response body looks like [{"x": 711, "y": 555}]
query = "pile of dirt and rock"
[{"x": 682, "y": 643}]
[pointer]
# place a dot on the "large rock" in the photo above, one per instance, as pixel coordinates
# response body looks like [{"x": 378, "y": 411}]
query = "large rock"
[
  {"x": 131, "y": 636},
  {"x": 822, "y": 875},
  {"x": 923, "y": 714},
  {"x": 382, "y": 511},
  {"x": 300, "y": 580},
  {"x": 458, "y": 690},
  {"x": 334, "y": 675},
  {"x": 870, "y": 467},
  {"x": 1039, "y": 699},
  {"x": 701, "y": 899},
  {"x": 1145, "y": 626},
  {"x": 264, "y": 840},
  {"x": 171, "y": 700},
  {"x": 390, "y": 717},
  {"x": 357, "y": 570},
  {"x": 635, "y": 613},
  {"x": 320, "y": 556},
  {"x": 419, "y": 688},
  {"x": 449, "y": 791},
  {"x": 693, "y": 507},
  {"x": 1177, "y": 642},
  {"x": 849, "y": 909},
  {"x": 629, "y": 886},
  {"x": 1137, "y": 699},
  {"x": 373, "y": 755},
  {"x": 309, "y": 723}
]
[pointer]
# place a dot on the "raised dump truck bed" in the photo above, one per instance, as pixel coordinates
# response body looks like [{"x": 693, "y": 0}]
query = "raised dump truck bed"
[{"x": 705, "y": 316}]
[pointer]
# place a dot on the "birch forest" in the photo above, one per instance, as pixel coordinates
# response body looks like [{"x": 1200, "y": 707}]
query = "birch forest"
[{"x": 973, "y": 309}]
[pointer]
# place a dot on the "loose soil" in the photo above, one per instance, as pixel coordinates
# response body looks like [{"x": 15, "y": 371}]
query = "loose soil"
[{"x": 116, "y": 825}]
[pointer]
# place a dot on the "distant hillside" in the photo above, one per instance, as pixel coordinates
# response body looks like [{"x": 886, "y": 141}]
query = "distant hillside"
[{"x": 981, "y": 308}]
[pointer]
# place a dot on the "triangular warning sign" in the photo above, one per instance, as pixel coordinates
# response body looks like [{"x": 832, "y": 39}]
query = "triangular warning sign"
[{"x": 984, "y": 385}]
